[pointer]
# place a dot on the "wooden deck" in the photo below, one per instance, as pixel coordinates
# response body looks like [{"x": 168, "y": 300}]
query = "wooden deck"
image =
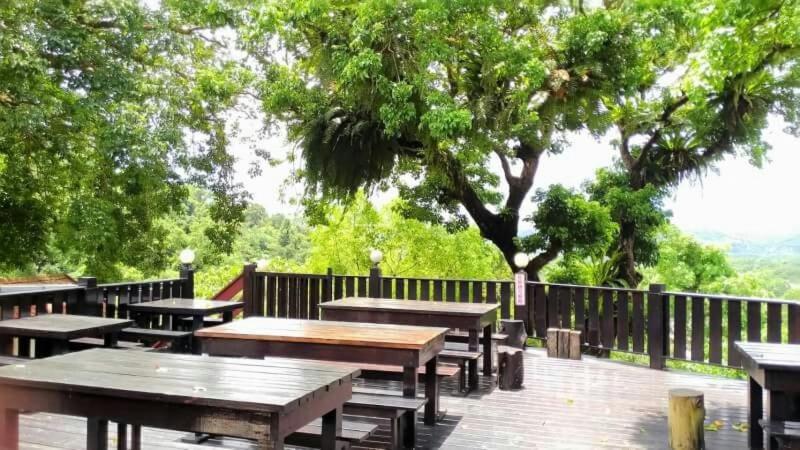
[{"x": 565, "y": 405}]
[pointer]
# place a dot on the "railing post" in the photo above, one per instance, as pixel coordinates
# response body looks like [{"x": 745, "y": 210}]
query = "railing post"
[
  {"x": 187, "y": 275},
  {"x": 657, "y": 326},
  {"x": 248, "y": 282},
  {"x": 375, "y": 282},
  {"x": 87, "y": 303},
  {"x": 327, "y": 290}
]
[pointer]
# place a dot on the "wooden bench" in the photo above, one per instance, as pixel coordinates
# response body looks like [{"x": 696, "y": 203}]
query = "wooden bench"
[
  {"x": 464, "y": 359},
  {"x": 352, "y": 433},
  {"x": 786, "y": 433},
  {"x": 88, "y": 342},
  {"x": 181, "y": 341},
  {"x": 463, "y": 337},
  {"x": 6, "y": 360},
  {"x": 401, "y": 412},
  {"x": 186, "y": 322},
  {"x": 388, "y": 372}
]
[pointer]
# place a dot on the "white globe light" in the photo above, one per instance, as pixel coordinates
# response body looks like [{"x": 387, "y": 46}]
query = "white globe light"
[
  {"x": 261, "y": 264},
  {"x": 186, "y": 256},
  {"x": 521, "y": 260},
  {"x": 376, "y": 256}
]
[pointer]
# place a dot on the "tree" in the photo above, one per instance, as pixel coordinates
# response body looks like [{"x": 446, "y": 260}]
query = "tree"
[
  {"x": 411, "y": 248},
  {"x": 431, "y": 97},
  {"x": 108, "y": 109},
  {"x": 721, "y": 70}
]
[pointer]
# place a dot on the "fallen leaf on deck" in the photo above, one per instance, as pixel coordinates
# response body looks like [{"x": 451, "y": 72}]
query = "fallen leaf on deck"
[
  {"x": 570, "y": 401},
  {"x": 741, "y": 427},
  {"x": 715, "y": 425}
]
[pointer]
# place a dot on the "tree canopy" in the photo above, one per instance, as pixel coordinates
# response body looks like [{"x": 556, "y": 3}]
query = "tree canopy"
[
  {"x": 107, "y": 110},
  {"x": 455, "y": 103}
]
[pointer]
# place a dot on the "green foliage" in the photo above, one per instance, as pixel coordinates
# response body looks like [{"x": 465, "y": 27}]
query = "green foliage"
[
  {"x": 411, "y": 248},
  {"x": 567, "y": 221},
  {"x": 107, "y": 110},
  {"x": 685, "y": 264}
]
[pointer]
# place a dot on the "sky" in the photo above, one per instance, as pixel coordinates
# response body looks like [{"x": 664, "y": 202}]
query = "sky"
[{"x": 739, "y": 200}]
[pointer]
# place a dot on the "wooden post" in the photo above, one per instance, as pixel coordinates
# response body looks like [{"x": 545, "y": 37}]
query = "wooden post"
[
  {"x": 563, "y": 343},
  {"x": 515, "y": 329},
  {"x": 88, "y": 303},
  {"x": 574, "y": 345},
  {"x": 248, "y": 283},
  {"x": 656, "y": 338},
  {"x": 375, "y": 289},
  {"x": 187, "y": 275},
  {"x": 552, "y": 342},
  {"x": 686, "y": 415},
  {"x": 327, "y": 287},
  {"x": 510, "y": 367}
]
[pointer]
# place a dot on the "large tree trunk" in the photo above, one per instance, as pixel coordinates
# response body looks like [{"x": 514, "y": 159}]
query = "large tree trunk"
[{"x": 626, "y": 268}]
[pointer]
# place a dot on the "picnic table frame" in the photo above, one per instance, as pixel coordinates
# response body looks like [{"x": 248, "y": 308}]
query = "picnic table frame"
[
  {"x": 54, "y": 331},
  {"x": 406, "y": 346},
  {"x": 476, "y": 318},
  {"x": 263, "y": 400},
  {"x": 774, "y": 374}
]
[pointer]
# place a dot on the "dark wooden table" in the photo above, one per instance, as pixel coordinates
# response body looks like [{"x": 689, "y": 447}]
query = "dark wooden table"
[
  {"x": 408, "y": 346},
  {"x": 774, "y": 371},
  {"x": 473, "y": 317},
  {"x": 265, "y": 400},
  {"x": 54, "y": 331},
  {"x": 196, "y": 308}
]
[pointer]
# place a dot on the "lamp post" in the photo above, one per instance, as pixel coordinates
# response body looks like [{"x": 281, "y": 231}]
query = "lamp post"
[
  {"x": 186, "y": 258},
  {"x": 375, "y": 291}
]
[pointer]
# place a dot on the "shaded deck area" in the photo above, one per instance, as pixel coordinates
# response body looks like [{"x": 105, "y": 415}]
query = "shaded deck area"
[{"x": 566, "y": 404}]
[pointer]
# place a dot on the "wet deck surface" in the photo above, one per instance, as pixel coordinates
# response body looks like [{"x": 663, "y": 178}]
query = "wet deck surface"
[{"x": 565, "y": 404}]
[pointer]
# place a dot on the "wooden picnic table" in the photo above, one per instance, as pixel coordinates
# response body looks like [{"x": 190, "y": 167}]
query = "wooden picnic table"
[
  {"x": 54, "y": 331},
  {"x": 473, "y": 317},
  {"x": 196, "y": 308},
  {"x": 774, "y": 371},
  {"x": 371, "y": 343},
  {"x": 265, "y": 400}
]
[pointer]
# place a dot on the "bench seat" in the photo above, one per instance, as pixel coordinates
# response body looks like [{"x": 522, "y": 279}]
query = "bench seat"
[
  {"x": 400, "y": 411},
  {"x": 352, "y": 433},
  {"x": 89, "y": 342},
  {"x": 6, "y": 360},
  {"x": 465, "y": 360},
  {"x": 180, "y": 340},
  {"x": 787, "y": 433},
  {"x": 463, "y": 336}
]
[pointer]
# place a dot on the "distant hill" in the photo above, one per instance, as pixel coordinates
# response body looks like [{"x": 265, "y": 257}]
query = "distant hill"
[{"x": 758, "y": 247}]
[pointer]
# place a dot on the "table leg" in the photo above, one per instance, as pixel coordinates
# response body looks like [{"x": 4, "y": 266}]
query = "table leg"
[
  {"x": 197, "y": 322},
  {"x": 227, "y": 316},
  {"x": 331, "y": 426},
  {"x": 409, "y": 381},
  {"x": 24, "y": 346},
  {"x": 122, "y": 436},
  {"x": 9, "y": 429},
  {"x": 431, "y": 391},
  {"x": 136, "y": 437},
  {"x": 96, "y": 434},
  {"x": 487, "y": 351},
  {"x": 110, "y": 340},
  {"x": 755, "y": 400}
]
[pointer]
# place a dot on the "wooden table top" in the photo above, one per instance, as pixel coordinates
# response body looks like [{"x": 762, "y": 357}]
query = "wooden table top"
[
  {"x": 412, "y": 306},
  {"x": 271, "y": 384},
  {"x": 61, "y": 326},
  {"x": 326, "y": 332},
  {"x": 188, "y": 306},
  {"x": 772, "y": 356}
]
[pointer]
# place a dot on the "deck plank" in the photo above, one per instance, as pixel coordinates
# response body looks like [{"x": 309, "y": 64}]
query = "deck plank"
[{"x": 566, "y": 404}]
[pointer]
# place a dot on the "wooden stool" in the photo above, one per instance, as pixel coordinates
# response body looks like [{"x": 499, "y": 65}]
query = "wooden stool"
[
  {"x": 510, "y": 368},
  {"x": 686, "y": 415},
  {"x": 515, "y": 329}
]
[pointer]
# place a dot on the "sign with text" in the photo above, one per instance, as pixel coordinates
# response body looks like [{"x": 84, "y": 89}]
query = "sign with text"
[{"x": 520, "y": 279}]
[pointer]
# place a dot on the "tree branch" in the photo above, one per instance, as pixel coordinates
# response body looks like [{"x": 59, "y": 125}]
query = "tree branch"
[{"x": 510, "y": 178}]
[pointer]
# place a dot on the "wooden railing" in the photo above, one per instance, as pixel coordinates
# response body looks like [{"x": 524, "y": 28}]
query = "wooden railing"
[
  {"x": 654, "y": 323},
  {"x": 90, "y": 298}
]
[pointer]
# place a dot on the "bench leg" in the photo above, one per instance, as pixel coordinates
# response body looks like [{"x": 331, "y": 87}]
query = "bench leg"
[
  {"x": 110, "y": 340},
  {"x": 136, "y": 437},
  {"x": 122, "y": 436},
  {"x": 9, "y": 429},
  {"x": 755, "y": 399},
  {"x": 431, "y": 391},
  {"x": 408, "y": 425},
  {"x": 473, "y": 375},
  {"x": 331, "y": 426},
  {"x": 462, "y": 376},
  {"x": 96, "y": 434}
]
